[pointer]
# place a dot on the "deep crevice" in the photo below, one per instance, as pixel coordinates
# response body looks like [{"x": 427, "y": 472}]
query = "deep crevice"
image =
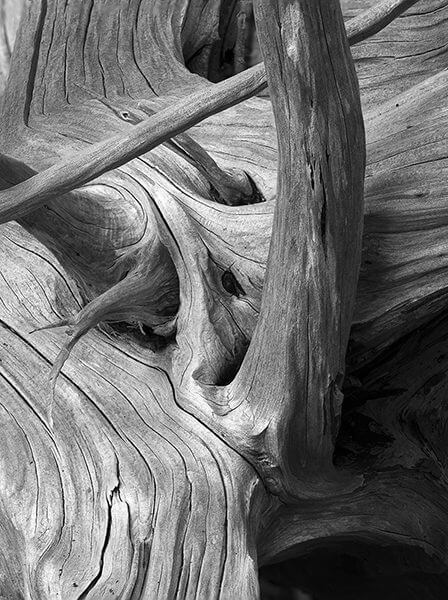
[
  {"x": 231, "y": 284},
  {"x": 142, "y": 334},
  {"x": 323, "y": 214},
  {"x": 34, "y": 62},
  {"x": 228, "y": 373}
]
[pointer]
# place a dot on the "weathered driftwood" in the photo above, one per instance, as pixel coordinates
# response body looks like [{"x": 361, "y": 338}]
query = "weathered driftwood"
[{"x": 204, "y": 433}]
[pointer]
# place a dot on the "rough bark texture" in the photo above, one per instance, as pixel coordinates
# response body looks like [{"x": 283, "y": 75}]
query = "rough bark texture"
[{"x": 201, "y": 431}]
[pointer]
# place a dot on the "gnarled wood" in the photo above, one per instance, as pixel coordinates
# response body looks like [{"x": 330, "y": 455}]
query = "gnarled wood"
[{"x": 161, "y": 473}]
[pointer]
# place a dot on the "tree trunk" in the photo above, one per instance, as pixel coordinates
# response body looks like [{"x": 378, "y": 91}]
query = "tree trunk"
[{"x": 266, "y": 382}]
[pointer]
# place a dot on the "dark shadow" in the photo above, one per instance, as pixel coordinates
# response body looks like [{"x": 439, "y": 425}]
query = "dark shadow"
[{"x": 348, "y": 569}]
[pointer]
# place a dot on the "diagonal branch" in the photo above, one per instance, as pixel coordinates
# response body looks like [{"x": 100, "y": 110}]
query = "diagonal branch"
[
  {"x": 114, "y": 152},
  {"x": 183, "y": 114},
  {"x": 293, "y": 370},
  {"x": 376, "y": 18}
]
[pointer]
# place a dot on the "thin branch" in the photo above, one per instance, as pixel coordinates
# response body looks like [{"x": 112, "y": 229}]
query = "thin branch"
[
  {"x": 75, "y": 171},
  {"x": 114, "y": 152},
  {"x": 376, "y": 18},
  {"x": 231, "y": 188}
]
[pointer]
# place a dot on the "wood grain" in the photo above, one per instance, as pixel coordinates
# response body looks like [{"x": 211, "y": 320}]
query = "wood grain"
[{"x": 158, "y": 479}]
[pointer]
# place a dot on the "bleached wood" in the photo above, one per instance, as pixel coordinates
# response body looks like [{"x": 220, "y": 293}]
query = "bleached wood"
[{"x": 146, "y": 485}]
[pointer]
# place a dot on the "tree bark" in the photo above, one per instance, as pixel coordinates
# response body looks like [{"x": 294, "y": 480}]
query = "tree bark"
[{"x": 206, "y": 430}]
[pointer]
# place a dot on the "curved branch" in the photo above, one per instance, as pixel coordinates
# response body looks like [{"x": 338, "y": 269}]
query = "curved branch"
[{"x": 293, "y": 370}]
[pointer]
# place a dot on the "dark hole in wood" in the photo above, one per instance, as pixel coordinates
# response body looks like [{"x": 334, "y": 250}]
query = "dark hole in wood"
[{"x": 231, "y": 284}]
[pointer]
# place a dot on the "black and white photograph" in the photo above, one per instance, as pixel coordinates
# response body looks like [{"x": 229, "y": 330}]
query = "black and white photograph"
[{"x": 223, "y": 299}]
